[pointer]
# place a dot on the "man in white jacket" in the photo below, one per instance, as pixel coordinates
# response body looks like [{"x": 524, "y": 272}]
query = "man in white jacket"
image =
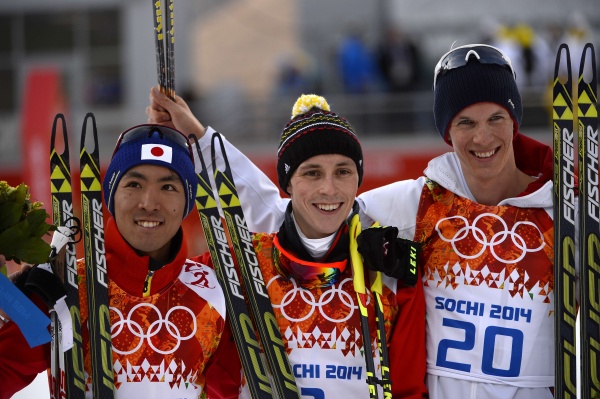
[{"x": 484, "y": 215}]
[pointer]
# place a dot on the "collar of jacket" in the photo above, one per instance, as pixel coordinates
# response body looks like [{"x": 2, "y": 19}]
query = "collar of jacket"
[
  {"x": 290, "y": 240},
  {"x": 129, "y": 270},
  {"x": 534, "y": 159}
]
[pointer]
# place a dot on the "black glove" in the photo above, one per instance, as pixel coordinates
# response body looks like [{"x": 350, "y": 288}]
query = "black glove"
[
  {"x": 383, "y": 251},
  {"x": 43, "y": 283}
]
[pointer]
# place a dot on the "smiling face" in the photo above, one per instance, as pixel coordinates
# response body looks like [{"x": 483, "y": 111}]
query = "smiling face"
[
  {"x": 323, "y": 189},
  {"x": 482, "y": 137},
  {"x": 149, "y": 205}
]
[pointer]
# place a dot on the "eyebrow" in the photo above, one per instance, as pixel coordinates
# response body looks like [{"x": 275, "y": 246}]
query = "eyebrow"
[
  {"x": 318, "y": 165},
  {"x": 132, "y": 174}
]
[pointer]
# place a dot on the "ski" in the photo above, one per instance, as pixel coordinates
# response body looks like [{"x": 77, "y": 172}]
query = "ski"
[
  {"x": 67, "y": 373},
  {"x": 238, "y": 314},
  {"x": 377, "y": 289},
  {"x": 565, "y": 193},
  {"x": 164, "y": 44},
  {"x": 95, "y": 266},
  {"x": 158, "y": 44},
  {"x": 284, "y": 382},
  {"x": 589, "y": 226},
  {"x": 170, "y": 49}
]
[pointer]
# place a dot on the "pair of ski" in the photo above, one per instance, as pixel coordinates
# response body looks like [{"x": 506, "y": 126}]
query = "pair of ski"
[
  {"x": 68, "y": 379},
  {"x": 576, "y": 147},
  {"x": 249, "y": 308}
]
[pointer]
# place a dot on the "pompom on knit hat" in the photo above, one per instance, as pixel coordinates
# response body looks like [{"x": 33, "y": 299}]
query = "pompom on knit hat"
[
  {"x": 151, "y": 145},
  {"x": 315, "y": 130},
  {"x": 474, "y": 80}
]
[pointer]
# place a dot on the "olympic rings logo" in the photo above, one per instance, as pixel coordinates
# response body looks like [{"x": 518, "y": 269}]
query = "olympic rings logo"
[
  {"x": 496, "y": 240},
  {"x": 153, "y": 329},
  {"x": 329, "y": 294}
]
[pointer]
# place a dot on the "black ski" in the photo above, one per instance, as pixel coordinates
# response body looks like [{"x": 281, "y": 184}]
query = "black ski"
[
  {"x": 164, "y": 44},
  {"x": 95, "y": 265},
  {"x": 589, "y": 226},
  {"x": 284, "y": 383},
  {"x": 238, "y": 314},
  {"x": 159, "y": 34},
  {"x": 170, "y": 49},
  {"x": 72, "y": 382},
  {"x": 565, "y": 193}
]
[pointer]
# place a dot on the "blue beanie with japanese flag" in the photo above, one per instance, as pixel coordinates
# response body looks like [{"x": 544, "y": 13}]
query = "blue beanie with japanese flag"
[{"x": 152, "y": 145}]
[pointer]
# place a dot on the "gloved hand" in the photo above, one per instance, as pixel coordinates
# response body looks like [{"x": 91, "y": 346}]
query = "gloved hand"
[
  {"x": 383, "y": 251},
  {"x": 41, "y": 281}
]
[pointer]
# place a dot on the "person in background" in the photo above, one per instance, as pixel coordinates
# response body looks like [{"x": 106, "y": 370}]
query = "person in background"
[
  {"x": 398, "y": 58},
  {"x": 357, "y": 63},
  {"x": 483, "y": 214},
  {"x": 170, "y": 308}
]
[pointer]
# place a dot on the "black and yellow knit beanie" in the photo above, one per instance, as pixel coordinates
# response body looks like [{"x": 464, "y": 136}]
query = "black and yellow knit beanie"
[{"x": 315, "y": 130}]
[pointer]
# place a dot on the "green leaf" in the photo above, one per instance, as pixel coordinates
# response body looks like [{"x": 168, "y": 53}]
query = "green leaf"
[
  {"x": 10, "y": 214},
  {"x": 37, "y": 222},
  {"x": 16, "y": 243},
  {"x": 22, "y": 225},
  {"x": 36, "y": 217},
  {"x": 33, "y": 250},
  {"x": 12, "y": 238},
  {"x": 20, "y": 194}
]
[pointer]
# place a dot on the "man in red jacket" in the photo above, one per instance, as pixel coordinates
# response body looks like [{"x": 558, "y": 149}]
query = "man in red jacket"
[{"x": 167, "y": 312}]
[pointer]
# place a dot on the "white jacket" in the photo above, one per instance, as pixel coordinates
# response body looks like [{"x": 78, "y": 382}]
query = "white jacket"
[{"x": 490, "y": 331}]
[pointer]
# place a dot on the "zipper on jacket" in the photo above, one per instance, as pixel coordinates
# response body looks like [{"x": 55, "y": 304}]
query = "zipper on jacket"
[{"x": 146, "y": 291}]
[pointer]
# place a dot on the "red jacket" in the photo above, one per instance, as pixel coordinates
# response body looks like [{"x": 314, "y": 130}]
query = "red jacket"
[{"x": 20, "y": 364}]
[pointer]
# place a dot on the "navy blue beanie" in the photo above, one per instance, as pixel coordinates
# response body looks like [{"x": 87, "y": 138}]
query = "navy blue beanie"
[
  {"x": 470, "y": 84},
  {"x": 153, "y": 145}
]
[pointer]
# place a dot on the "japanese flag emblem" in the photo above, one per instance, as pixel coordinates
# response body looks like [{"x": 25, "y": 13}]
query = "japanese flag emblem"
[{"x": 157, "y": 152}]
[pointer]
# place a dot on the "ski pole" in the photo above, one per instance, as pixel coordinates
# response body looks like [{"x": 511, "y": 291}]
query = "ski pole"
[{"x": 362, "y": 296}]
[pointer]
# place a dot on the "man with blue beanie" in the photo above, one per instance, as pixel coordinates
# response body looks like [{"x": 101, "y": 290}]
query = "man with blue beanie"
[{"x": 167, "y": 311}]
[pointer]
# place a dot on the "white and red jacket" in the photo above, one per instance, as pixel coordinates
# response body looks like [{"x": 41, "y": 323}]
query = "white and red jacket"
[{"x": 487, "y": 274}]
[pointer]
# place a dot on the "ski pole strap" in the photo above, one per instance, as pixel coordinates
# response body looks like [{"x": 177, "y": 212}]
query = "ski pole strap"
[
  {"x": 42, "y": 281},
  {"x": 32, "y": 322}
]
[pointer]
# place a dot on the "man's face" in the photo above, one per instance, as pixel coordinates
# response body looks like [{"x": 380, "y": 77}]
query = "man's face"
[
  {"x": 482, "y": 136},
  {"x": 149, "y": 205},
  {"x": 323, "y": 189}
]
